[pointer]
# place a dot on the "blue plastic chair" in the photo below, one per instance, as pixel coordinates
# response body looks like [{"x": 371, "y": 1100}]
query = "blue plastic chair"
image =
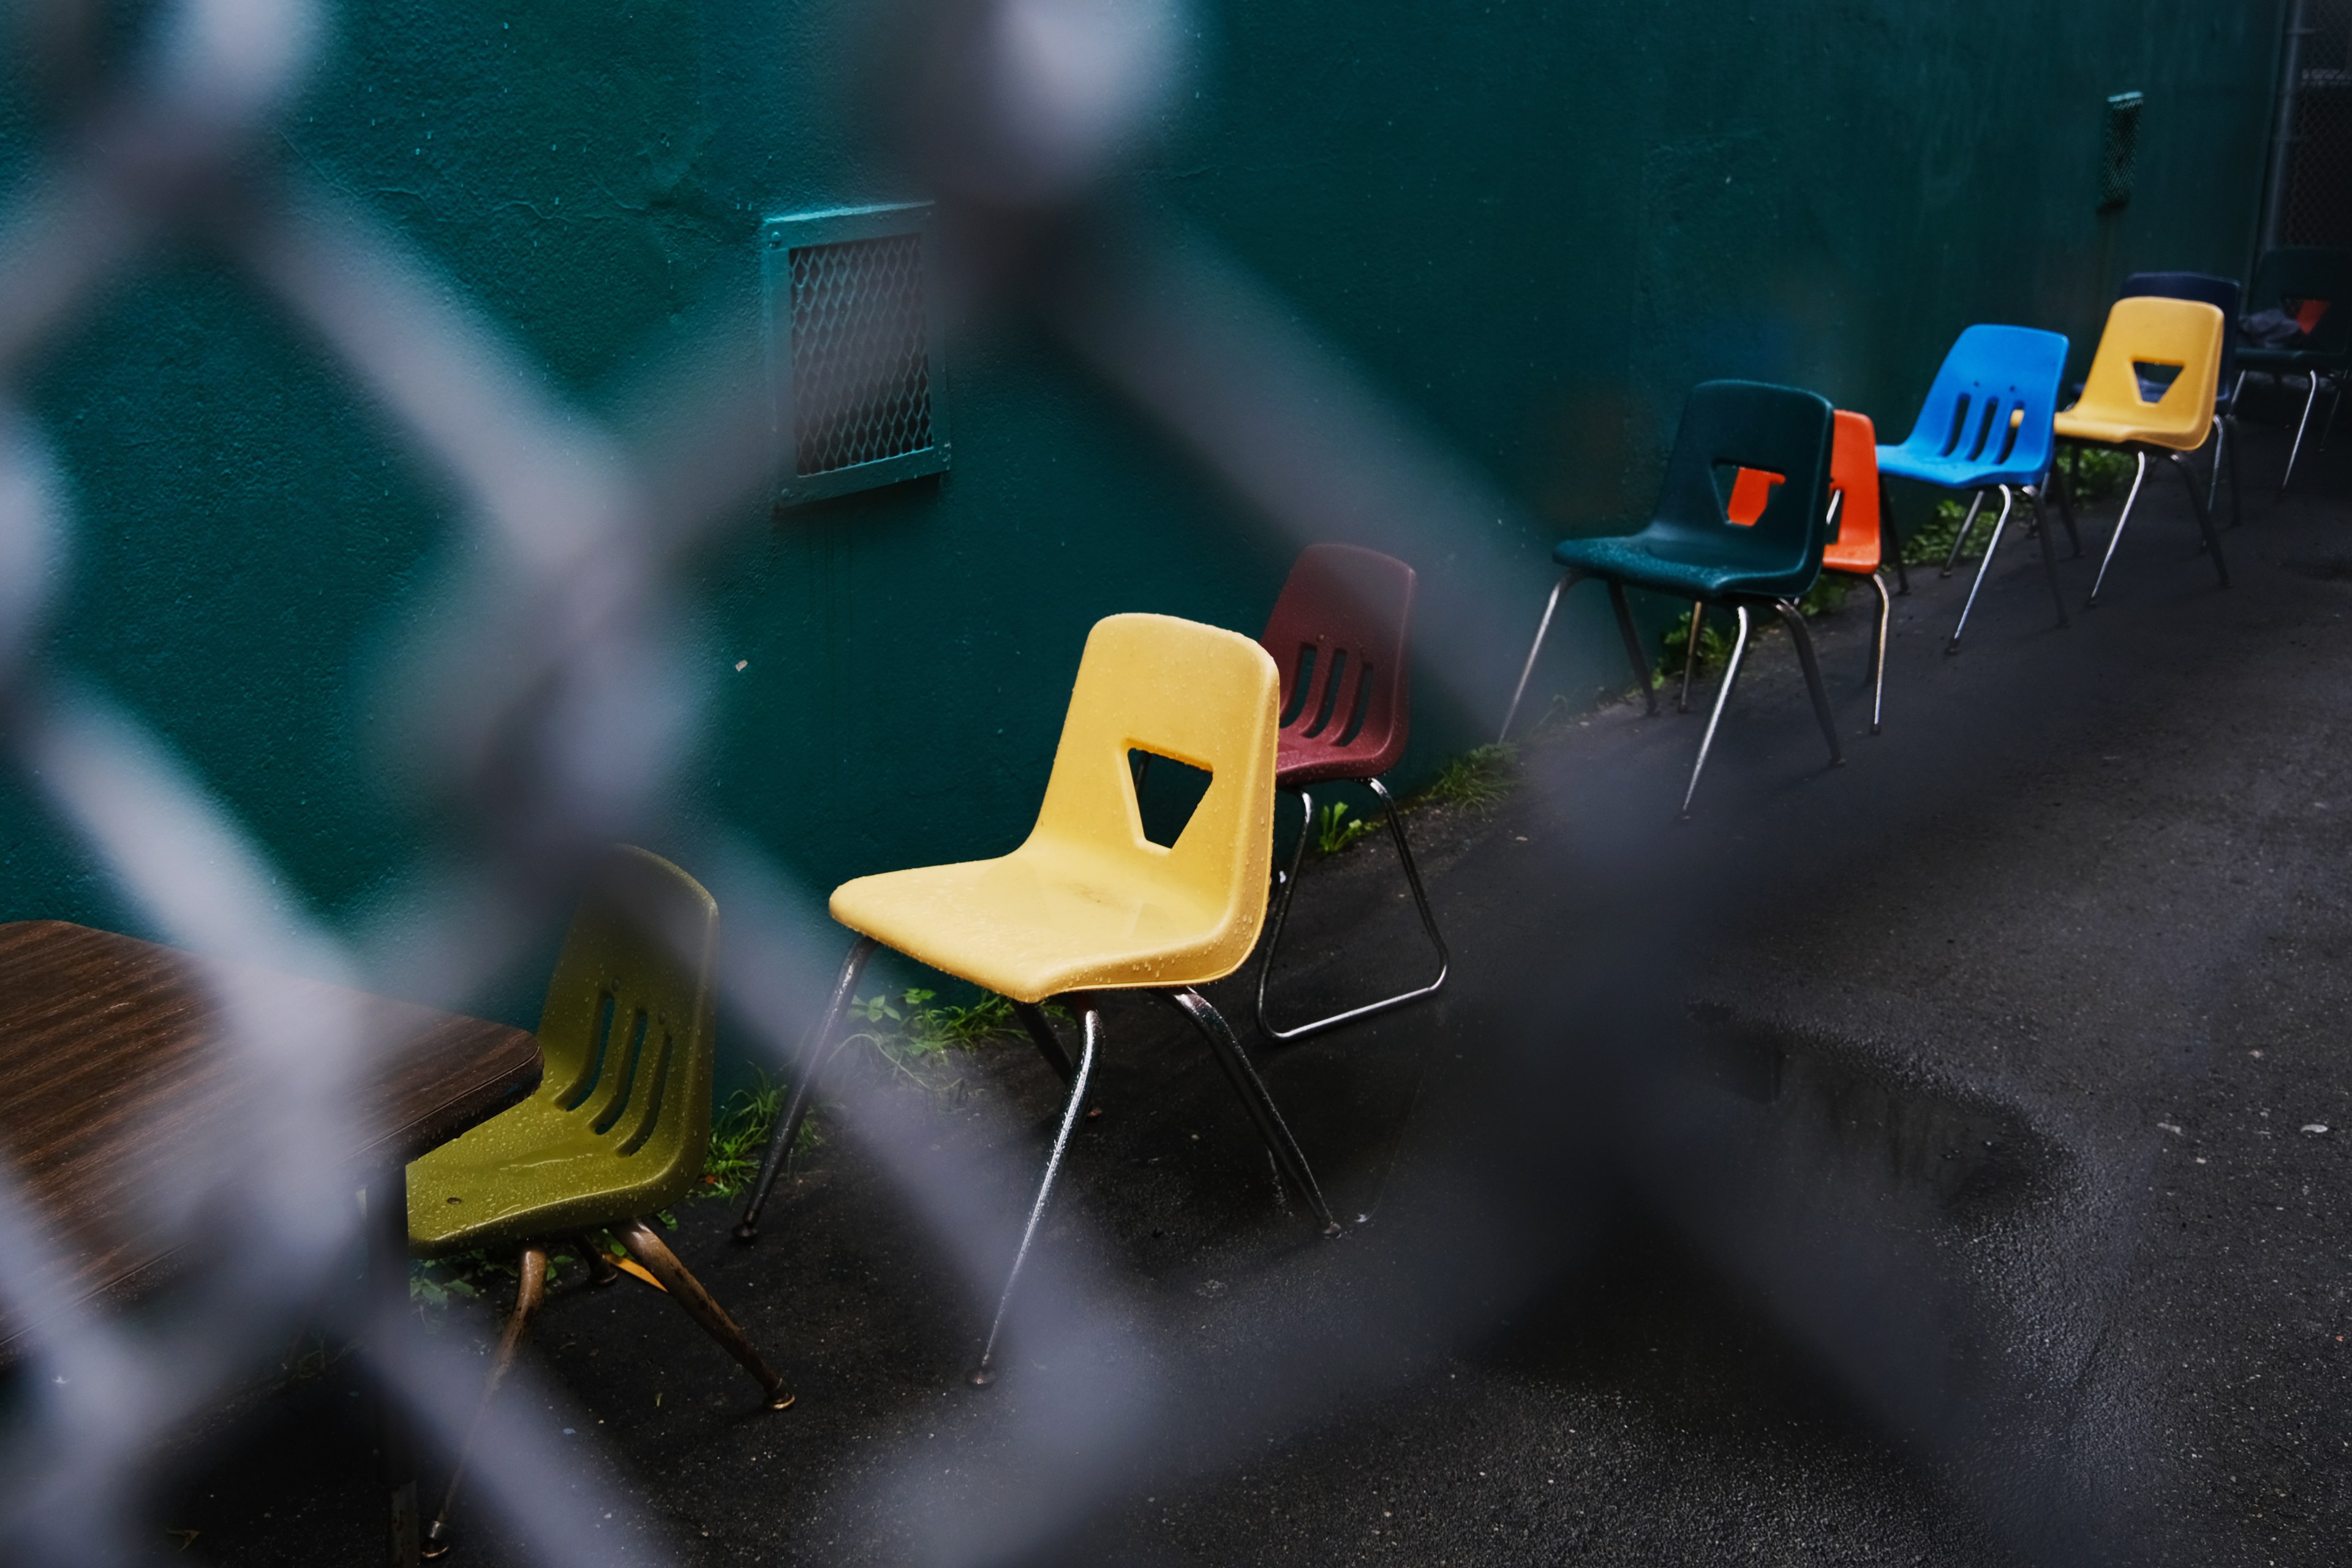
[
  {"x": 2222, "y": 294},
  {"x": 2300, "y": 277},
  {"x": 1986, "y": 425},
  {"x": 1771, "y": 442}
]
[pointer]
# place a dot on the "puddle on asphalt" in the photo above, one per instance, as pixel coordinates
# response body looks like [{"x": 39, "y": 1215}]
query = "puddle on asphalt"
[{"x": 1971, "y": 1158}]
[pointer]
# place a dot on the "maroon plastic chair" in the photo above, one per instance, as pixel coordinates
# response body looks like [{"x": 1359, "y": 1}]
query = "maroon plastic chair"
[{"x": 1338, "y": 634}]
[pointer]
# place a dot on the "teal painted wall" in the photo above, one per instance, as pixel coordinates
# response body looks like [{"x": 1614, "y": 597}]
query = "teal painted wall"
[{"x": 1531, "y": 227}]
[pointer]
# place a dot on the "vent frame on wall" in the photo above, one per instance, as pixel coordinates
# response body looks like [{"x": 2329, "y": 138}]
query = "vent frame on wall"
[
  {"x": 800, "y": 254},
  {"x": 2118, "y": 148}
]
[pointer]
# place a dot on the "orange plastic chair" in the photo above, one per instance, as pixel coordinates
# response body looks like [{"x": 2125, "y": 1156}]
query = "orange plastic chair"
[
  {"x": 1855, "y": 548},
  {"x": 2146, "y": 335},
  {"x": 1090, "y": 903}
]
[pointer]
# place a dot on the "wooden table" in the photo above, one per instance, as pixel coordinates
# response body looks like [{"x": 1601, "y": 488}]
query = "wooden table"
[{"x": 109, "y": 1063}]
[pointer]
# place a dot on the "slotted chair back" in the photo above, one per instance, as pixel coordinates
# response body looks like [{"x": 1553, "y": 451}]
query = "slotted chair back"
[
  {"x": 1339, "y": 635},
  {"x": 1204, "y": 696},
  {"x": 620, "y": 1124},
  {"x": 626, "y": 1030},
  {"x": 1992, "y": 401}
]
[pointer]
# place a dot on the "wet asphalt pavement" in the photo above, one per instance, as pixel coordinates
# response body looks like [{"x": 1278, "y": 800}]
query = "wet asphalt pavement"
[{"x": 1910, "y": 1161}]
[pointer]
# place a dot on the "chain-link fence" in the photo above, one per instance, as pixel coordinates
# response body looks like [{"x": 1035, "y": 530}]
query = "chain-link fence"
[
  {"x": 2313, "y": 191},
  {"x": 552, "y": 706}
]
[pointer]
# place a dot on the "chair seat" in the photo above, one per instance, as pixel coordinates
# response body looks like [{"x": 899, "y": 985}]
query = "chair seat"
[
  {"x": 1046, "y": 919},
  {"x": 1951, "y": 473},
  {"x": 1863, "y": 558},
  {"x": 532, "y": 1172},
  {"x": 1299, "y": 762},
  {"x": 2074, "y": 427},
  {"x": 1633, "y": 560}
]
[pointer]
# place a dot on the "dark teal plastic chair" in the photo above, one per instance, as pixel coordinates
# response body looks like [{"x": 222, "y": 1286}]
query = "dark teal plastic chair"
[
  {"x": 2299, "y": 278},
  {"x": 1693, "y": 550}
]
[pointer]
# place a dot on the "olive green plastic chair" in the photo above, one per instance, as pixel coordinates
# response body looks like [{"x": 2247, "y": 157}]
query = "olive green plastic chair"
[{"x": 618, "y": 1128}]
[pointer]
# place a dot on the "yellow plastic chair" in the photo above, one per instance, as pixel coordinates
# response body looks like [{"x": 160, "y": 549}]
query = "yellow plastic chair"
[
  {"x": 618, "y": 1129},
  {"x": 2151, "y": 333},
  {"x": 1088, "y": 903}
]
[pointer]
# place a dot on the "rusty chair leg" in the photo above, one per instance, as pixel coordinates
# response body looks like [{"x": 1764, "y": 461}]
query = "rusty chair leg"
[
  {"x": 601, "y": 1272},
  {"x": 529, "y": 1293},
  {"x": 683, "y": 1289}
]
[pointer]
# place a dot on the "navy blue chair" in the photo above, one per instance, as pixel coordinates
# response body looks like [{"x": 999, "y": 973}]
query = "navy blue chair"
[{"x": 2223, "y": 295}]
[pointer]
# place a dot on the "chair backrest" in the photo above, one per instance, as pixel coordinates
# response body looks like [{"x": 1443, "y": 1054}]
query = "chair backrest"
[
  {"x": 629, "y": 1028},
  {"x": 2313, "y": 283},
  {"x": 1993, "y": 398},
  {"x": 1204, "y": 697},
  {"x": 2223, "y": 293},
  {"x": 1780, "y": 435},
  {"x": 2153, "y": 331},
  {"x": 1339, "y": 637},
  {"x": 1853, "y": 483}
]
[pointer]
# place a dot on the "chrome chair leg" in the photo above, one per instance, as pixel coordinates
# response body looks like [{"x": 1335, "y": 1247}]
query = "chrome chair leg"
[
  {"x": 1975, "y": 502},
  {"x": 2049, "y": 552},
  {"x": 2220, "y": 451},
  {"x": 1567, "y": 581},
  {"x": 531, "y": 1290},
  {"x": 1983, "y": 566},
  {"x": 2204, "y": 518},
  {"x": 1285, "y": 887},
  {"x": 677, "y": 1281},
  {"x": 1428, "y": 924},
  {"x": 1238, "y": 1072},
  {"x": 1803, "y": 638},
  {"x": 1890, "y": 540},
  {"x": 984, "y": 1372},
  {"x": 811, "y": 1066},
  {"x": 1878, "y": 663},
  {"x": 1722, "y": 696},
  {"x": 2117, "y": 537},
  {"x": 1632, "y": 643},
  {"x": 1690, "y": 655},
  {"x": 2301, "y": 426}
]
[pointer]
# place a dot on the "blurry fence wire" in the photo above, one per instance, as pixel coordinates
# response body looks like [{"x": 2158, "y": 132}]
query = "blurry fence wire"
[
  {"x": 552, "y": 707},
  {"x": 550, "y": 710}
]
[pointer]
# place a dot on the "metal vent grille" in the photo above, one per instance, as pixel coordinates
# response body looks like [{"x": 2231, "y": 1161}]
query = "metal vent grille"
[
  {"x": 861, "y": 354},
  {"x": 2119, "y": 148},
  {"x": 860, "y": 392}
]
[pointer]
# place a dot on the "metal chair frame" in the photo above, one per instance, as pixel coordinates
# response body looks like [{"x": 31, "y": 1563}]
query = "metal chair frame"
[
  {"x": 820, "y": 1047},
  {"x": 1287, "y": 886}
]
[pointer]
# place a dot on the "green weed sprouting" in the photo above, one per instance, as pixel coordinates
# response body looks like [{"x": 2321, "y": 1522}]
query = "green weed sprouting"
[
  {"x": 1333, "y": 832},
  {"x": 1478, "y": 779}
]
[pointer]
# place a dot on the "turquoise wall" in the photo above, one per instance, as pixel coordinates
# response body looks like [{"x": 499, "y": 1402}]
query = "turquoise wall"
[{"x": 1531, "y": 227}]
